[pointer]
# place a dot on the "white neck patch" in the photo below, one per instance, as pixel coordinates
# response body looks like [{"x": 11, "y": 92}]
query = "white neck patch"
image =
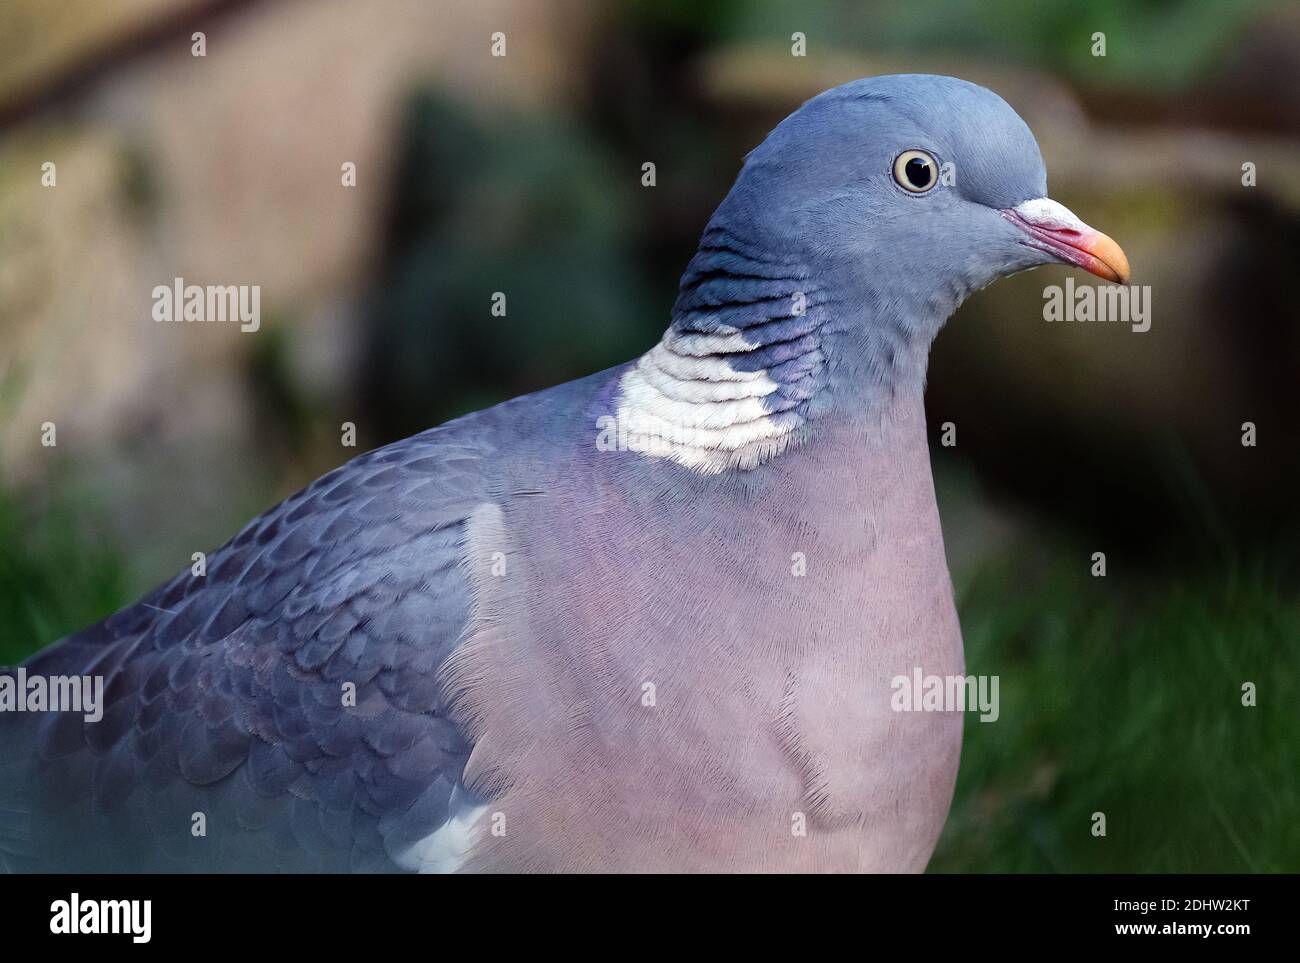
[{"x": 682, "y": 400}]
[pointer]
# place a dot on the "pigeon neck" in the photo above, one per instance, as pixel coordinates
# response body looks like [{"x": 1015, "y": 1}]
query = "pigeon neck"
[
  {"x": 740, "y": 369},
  {"x": 758, "y": 350}
]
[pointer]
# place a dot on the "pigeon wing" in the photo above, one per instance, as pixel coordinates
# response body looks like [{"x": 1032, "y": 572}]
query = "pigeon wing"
[{"x": 281, "y": 711}]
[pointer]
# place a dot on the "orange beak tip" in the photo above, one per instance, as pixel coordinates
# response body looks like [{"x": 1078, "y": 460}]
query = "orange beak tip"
[{"x": 1111, "y": 257}]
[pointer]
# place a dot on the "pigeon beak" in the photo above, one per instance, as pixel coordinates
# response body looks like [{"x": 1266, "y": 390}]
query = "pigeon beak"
[{"x": 1053, "y": 228}]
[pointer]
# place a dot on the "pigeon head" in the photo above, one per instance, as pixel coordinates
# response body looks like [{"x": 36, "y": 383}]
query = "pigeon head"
[
  {"x": 851, "y": 234},
  {"x": 890, "y": 200}
]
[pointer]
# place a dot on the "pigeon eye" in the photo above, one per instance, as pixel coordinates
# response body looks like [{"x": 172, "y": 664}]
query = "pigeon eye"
[{"x": 916, "y": 171}]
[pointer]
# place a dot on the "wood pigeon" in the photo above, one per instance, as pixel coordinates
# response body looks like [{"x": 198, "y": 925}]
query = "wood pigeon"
[{"x": 644, "y": 621}]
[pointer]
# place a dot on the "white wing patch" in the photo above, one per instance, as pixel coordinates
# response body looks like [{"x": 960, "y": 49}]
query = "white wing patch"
[{"x": 446, "y": 849}]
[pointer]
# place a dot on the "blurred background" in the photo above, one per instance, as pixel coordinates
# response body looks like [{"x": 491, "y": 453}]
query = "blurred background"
[{"x": 522, "y": 174}]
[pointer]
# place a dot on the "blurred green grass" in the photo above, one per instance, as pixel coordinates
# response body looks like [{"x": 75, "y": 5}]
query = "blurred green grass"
[
  {"x": 1118, "y": 694},
  {"x": 55, "y": 577},
  {"x": 1124, "y": 696}
]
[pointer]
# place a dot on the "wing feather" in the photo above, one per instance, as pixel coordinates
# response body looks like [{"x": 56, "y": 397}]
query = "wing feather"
[{"x": 224, "y": 693}]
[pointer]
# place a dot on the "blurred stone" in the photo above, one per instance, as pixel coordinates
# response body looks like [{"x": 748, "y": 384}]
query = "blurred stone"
[{"x": 220, "y": 169}]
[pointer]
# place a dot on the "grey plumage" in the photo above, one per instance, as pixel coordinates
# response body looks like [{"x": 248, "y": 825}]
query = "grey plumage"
[
  {"x": 572, "y": 653},
  {"x": 225, "y": 692}
]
